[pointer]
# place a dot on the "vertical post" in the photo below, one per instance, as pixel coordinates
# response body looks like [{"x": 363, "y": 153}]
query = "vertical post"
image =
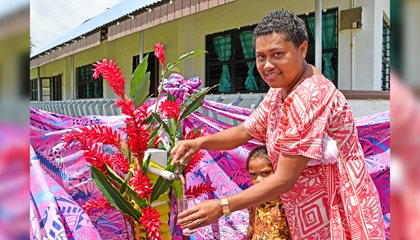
[
  {"x": 318, "y": 34},
  {"x": 39, "y": 84},
  {"x": 141, "y": 45},
  {"x": 73, "y": 86}
]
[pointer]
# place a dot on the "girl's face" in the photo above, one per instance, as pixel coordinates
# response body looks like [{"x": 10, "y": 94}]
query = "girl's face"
[{"x": 259, "y": 169}]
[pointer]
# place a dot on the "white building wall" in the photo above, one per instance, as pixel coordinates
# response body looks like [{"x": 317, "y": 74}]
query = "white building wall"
[{"x": 360, "y": 51}]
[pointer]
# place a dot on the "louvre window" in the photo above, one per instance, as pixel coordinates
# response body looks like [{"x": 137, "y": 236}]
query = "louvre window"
[
  {"x": 86, "y": 86},
  {"x": 386, "y": 50},
  {"x": 33, "y": 86},
  {"x": 329, "y": 42},
  {"x": 230, "y": 61}
]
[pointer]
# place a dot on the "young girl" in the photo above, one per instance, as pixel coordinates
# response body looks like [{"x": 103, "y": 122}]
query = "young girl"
[{"x": 268, "y": 220}]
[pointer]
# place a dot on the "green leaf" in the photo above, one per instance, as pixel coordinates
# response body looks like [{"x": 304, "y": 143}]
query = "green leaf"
[
  {"x": 194, "y": 95},
  {"x": 160, "y": 187},
  {"x": 138, "y": 75},
  {"x": 142, "y": 91},
  {"x": 194, "y": 105},
  {"x": 171, "y": 97},
  {"x": 172, "y": 128},
  {"x": 191, "y": 97},
  {"x": 160, "y": 121},
  {"x": 178, "y": 188},
  {"x": 184, "y": 57},
  {"x": 123, "y": 187},
  {"x": 148, "y": 120},
  {"x": 112, "y": 194},
  {"x": 133, "y": 195},
  {"x": 153, "y": 136},
  {"x": 146, "y": 164}
]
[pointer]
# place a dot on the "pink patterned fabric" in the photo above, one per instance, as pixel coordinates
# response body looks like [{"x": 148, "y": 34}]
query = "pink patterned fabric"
[{"x": 333, "y": 199}]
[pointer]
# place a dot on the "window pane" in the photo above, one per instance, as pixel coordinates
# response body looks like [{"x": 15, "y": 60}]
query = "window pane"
[{"x": 86, "y": 85}]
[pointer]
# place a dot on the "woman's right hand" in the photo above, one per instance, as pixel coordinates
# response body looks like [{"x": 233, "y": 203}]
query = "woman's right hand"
[{"x": 184, "y": 150}]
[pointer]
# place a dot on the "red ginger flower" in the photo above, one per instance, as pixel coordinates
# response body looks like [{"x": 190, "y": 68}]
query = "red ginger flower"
[
  {"x": 112, "y": 74},
  {"x": 160, "y": 53},
  {"x": 121, "y": 162},
  {"x": 150, "y": 220},
  {"x": 137, "y": 134},
  {"x": 141, "y": 184},
  {"x": 92, "y": 204},
  {"x": 170, "y": 109}
]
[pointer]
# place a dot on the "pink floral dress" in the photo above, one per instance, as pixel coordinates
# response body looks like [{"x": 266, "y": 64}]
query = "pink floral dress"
[{"x": 334, "y": 198}]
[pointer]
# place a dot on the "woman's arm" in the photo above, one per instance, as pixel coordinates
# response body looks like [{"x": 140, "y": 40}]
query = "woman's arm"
[
  {"x": 284, "y": 178},
  {"x": 288, "y": 170},
  {"x": 224, "y": 140}
]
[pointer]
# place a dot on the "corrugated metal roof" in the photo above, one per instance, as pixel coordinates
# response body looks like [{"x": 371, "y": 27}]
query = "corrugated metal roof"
[{"x": 119, "y": 10}]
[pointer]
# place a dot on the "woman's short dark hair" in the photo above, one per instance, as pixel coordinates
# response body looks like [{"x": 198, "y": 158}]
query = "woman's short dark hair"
[
  {"x": 258, "y": 152},
  {"x": 284, "y": 22}
]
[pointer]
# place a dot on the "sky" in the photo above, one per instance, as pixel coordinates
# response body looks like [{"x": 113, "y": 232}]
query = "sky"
[{"x": 50, "y": 19}]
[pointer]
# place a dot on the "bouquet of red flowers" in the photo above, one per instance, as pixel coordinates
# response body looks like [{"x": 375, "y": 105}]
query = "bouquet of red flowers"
[{"x": 124, "y": 176}]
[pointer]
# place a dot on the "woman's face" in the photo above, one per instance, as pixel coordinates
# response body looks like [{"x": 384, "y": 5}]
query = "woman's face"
[
  {"x": 259, "y": 169},
  {"x": 279, "y": 62}
]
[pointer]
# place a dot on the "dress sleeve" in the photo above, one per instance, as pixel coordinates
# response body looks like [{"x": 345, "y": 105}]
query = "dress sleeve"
[
  {"x": 304, "y": 120},
  {"x": 256, "y": 123}
]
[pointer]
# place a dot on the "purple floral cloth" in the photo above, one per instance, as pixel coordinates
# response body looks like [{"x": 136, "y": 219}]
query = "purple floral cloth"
[
  {"x": 180, "y": 88},
  {"x": 61, "y": 182}
]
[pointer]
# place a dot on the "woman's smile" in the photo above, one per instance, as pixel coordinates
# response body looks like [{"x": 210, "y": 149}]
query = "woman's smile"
[{"x": 270, "y": 77}]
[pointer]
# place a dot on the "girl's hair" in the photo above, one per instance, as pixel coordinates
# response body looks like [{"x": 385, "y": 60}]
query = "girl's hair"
[{"x": 258, "y": 152}]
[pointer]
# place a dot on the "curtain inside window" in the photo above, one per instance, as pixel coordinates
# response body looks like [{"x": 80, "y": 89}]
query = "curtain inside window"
[
  {"x": 249, "y": 53},
  {"x": 223, "y": 48},
  {"x": 329, "y": 40}
]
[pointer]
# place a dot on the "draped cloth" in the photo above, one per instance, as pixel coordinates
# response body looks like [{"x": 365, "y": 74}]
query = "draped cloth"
[{"x": 61, "y": 182}]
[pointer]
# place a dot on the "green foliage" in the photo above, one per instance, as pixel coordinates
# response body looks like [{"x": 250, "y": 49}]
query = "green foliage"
[{"x": 114, "y": 197}]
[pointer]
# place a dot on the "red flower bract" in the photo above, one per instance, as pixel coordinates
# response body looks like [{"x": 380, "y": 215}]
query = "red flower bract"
[
  {"x": 120, "y": 162},
  {"x": 150, "y": 220},
  {"x": 160, "y": 53},
  {"x": 170, "y": 109},
  {"x": 112, "y": 74},
  {"x": 141, "y": 184},
  {"x": 137, "y": 134}
]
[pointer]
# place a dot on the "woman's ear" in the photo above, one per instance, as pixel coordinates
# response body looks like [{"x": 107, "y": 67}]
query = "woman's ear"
[{"x": 303, "y": 48}]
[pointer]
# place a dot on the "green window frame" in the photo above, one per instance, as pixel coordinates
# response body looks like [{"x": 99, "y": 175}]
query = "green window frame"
[
  {"x": 33, "y": 86},
  {"x": 386, "y": 56},
  {"x": 238, "y": 64},
  {"x": 86, "y": 86}
]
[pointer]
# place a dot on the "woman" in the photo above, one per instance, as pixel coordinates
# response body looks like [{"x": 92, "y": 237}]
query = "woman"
[{"x": 323, "y": 198}]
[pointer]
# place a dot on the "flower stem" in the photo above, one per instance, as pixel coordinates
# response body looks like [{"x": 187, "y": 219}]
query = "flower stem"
[{"x": 162, "y": 75}]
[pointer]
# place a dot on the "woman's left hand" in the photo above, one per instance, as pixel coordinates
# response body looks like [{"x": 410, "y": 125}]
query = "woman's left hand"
[{"x": 201, "y": 215}]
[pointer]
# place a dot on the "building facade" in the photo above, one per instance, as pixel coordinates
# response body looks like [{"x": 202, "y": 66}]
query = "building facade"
[{"x": 355, "y": 52}]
